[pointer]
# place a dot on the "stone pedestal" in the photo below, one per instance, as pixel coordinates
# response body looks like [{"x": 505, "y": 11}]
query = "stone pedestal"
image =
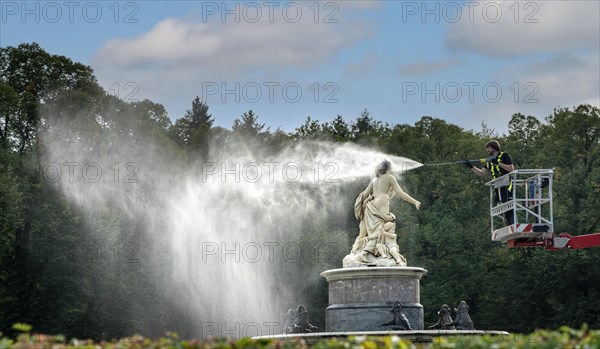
[{"x": 361, "y": 299}]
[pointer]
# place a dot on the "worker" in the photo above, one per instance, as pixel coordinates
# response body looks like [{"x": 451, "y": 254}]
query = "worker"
[{"x": 498, "y": 164}]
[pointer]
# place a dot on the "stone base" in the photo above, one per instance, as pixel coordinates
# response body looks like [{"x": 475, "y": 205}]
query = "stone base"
[
  {"x": 361, "y": 299},
  {"x": 370, "y": 316}
]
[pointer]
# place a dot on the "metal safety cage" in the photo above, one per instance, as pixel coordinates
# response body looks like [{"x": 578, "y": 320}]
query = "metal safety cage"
[{"x": 531, "y": 206}]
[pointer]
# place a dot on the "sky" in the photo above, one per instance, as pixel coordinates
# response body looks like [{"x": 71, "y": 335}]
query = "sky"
[{"x": 467, "y": 62}]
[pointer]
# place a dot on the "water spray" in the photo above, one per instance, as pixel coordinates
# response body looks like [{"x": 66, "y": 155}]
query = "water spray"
[{"x": 462, "y": 162}]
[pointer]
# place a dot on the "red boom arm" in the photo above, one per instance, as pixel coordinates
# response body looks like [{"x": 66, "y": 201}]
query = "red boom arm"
[
  {"x": 582, "y": 241},
  {"x": 572, "y": 242}
]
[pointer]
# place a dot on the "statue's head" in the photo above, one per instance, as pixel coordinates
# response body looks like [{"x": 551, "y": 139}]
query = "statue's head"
[
  {"x": 291, "y": 314},
  {"x": 397, "y": 308},
  {"x": 462, "y": 307},
  {"x": 445, "y": 310},
  {"x": 383, "y": 168}
]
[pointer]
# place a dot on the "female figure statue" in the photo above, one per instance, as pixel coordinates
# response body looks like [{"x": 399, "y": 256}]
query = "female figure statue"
[{"x": 376, "y": 243}]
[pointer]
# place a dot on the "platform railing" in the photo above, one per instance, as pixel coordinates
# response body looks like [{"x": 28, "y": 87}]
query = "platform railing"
[{"x": 531, "y": 201}]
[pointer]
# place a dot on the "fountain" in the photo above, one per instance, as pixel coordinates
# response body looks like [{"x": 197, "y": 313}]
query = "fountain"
[
  {"x": 375, "y": 275},
  {"x": 376, "y": 292},
  {"x": 207, "y": 231}
]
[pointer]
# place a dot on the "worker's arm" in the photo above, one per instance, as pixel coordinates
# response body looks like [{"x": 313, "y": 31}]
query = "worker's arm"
[
  {"x": 479, "y": 171},
  {"x": 506, "y": 163},
  {"x": 506, "y": 167}
]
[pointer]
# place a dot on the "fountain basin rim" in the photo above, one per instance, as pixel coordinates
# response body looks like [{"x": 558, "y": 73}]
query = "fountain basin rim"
[
  {"x": 373, "y": 272},
  {"x": 414, "y": 335}
]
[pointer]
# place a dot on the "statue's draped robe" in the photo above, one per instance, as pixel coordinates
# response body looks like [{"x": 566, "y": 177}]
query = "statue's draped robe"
[{"x": 377, "y": 237}]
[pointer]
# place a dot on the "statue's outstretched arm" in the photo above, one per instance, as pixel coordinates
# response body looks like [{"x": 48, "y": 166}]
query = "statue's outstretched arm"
[
  {"x": 369, "y": 189},
  {"x": 403, "y": 195}
]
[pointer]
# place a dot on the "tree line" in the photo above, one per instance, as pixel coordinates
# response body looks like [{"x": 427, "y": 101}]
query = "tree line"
[{"x": 510, "y": 289}]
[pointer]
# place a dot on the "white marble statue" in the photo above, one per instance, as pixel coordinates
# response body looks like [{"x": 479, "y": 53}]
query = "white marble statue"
[{"x": 376, "y": 242}]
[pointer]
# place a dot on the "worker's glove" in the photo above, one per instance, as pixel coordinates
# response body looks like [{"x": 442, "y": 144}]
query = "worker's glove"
[{"x": 468, "y": 164}]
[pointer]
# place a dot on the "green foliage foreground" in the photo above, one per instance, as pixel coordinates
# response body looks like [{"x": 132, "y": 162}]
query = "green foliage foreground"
[{"x": 564, "y": 338}]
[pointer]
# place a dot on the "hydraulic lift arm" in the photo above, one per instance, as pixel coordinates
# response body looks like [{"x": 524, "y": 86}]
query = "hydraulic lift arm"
[
  {"x": 531, "y": 206},
  {"x": 562, "y": 242},
  {"x": 581, "y": 241}
]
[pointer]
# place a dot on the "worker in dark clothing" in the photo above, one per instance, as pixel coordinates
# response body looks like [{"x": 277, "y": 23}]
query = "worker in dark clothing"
[{"x": 499, "y": 163}]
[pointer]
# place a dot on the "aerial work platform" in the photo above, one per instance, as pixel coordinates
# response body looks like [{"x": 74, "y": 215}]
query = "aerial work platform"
[{"x": 531, "y": 206}]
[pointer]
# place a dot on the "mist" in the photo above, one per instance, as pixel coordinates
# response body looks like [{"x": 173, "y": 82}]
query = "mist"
[{"x": 228, "y": 241}]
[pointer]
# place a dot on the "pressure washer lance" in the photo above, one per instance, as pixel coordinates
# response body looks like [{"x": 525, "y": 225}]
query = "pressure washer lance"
[{"x": 476, "y": 161}]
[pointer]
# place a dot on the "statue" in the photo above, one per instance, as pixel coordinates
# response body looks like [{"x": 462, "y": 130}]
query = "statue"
[
  {"x": 400, "y": 321},
  {"x": 445, "y": 321},
  {"x": 463, "y": 320},
  {"x": 288, "y": 325},
  {"x": 376, "y": 242},
  {"x": 296, "y": 321}
]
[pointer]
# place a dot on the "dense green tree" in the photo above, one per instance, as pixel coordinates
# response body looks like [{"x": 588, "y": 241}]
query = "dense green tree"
[
  {"x": 249, "y": 128},
  {"x": 572, "y": 136},
  {"x": 310, "y": 129},
  {"x": 46, "y": 279},
  {"x": 278, "y": 140},
  {"x": 193, "y": 129},
  {"x": 49, "y": 279},
  {"x": 569, "y": 143},
  {"x": 154, "y": 113},
  {"x": 338, "y": 129},
  {"x": 522, "y": 138},
  {"x": 524, "y": 129},
  {"x": 37, "y": 77},
  {"x": 9, "y": 109},
  {"x": 363, "y": 125},
  {"x": 193, "y": 132}
]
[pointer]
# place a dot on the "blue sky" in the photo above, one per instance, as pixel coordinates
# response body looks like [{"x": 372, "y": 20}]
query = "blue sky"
[{"x": 465, "y": 62}]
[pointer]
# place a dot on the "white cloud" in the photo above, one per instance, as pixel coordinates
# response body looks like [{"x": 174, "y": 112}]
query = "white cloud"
[
  {"x": 230, "y": 47},
  {"x": 170, "y": 62},
  {"x": 518, "y": 28},
  {"x": 171, "y": 40},
  {"x": 565, "y": 80}
]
